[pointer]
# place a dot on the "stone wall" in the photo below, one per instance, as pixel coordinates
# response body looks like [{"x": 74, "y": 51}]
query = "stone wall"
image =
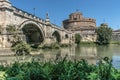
[
  {"x": 77, "y": 20},
  {"x": 73, "y": 25},
  {"x": 116, "y": 36}
]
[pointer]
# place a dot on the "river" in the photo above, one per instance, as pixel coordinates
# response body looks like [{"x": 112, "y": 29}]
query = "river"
[{"x": 89, "y": 52}]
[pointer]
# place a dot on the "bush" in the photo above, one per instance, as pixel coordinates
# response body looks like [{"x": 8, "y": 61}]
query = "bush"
[
  {"x": 62, "y": 69},
  {"x": 65, "y": 45},
  {"x": 55, "y": 46},
  {"x": 3, "y": 75},
  {"x": 50, "y": 46},
  {"x": 21, "y": 48},
  {"x": 46, "y": 46}
]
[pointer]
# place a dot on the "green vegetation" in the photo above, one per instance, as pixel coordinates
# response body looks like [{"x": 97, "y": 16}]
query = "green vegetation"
[
  {"x": 88, "y": 43},
  {"x": 60, "y": 69},
  {"x": 115, "y": 42},
  {"x": 11, "y": 28},
  {"x": 49, "y": 46},
  {"x": 14, "y": 34},
  {"x": 77, "y": 38},
  {"x": 21, "y": 48},
  {"x": 3, "y": 75},
  {"x": 104, "y": 34},
  {"x": 65, "y": 45}
]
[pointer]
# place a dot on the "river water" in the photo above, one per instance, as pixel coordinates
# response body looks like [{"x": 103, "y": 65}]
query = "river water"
[{"x": 89, "y": 52}]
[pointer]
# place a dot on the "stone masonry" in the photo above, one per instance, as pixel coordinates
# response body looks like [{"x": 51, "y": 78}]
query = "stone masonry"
[
  {"x": 25, "y": 22},
  {"x": 84, "y": 26}
]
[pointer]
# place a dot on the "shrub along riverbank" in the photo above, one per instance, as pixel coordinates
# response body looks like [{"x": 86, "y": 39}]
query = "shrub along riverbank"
[{"x": 60, "y": 69}]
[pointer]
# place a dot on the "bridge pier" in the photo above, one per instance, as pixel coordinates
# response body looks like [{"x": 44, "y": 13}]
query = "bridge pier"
[{"x": 48, "y": 41}]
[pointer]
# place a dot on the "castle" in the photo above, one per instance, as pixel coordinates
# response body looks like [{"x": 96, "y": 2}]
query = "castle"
[{"x": 86, "y": 27}]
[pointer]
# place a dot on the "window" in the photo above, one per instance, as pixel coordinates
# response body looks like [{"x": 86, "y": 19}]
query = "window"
[
  {"x": 66, "y": 36},
  {"x": 75, "y": 18}
]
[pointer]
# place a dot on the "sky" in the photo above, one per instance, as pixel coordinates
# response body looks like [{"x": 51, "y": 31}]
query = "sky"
[{"x": 104, "y": 11}]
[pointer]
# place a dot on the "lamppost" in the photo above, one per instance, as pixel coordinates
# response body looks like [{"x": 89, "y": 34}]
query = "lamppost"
[{"x": 34, "y": 11}]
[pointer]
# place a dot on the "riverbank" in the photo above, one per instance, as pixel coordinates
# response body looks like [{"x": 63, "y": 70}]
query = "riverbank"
[{"x": 115, "y": 42}]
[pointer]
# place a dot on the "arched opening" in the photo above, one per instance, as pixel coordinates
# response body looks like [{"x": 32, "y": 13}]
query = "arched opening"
[
  {"x": 56, "y": 35},
  {"x": 33, "y": 34},
  {"x": 66, "y": 36}
]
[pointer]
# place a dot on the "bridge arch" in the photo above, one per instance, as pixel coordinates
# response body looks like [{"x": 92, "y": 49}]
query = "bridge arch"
[
  {"x": 56, "y": 36},
  {"x": 33, "y": 32}
]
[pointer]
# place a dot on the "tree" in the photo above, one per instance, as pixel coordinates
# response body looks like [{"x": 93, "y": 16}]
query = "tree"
[
  {"x": 20, "y": 47},
  {"x": 77, "y": 38},
  {"x": 104, "y": 34},
  {"x": 14, "y": 33}
]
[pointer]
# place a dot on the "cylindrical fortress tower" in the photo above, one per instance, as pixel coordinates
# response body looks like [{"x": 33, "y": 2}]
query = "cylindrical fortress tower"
[{"x": 77, "y": 21}]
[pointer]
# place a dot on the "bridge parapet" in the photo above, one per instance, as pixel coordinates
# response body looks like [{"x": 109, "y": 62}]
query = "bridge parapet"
[
  {"x": 59, "y": 28},
  {"x": 27, "y": 15}
]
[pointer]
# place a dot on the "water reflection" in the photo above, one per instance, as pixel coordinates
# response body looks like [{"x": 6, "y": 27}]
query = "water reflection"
[
  {"x": 73, "y": 53},
  {"x": 116, "y": 61},
  {"x": 86, "y": 51},
  {"x": 89, "y": 52}
]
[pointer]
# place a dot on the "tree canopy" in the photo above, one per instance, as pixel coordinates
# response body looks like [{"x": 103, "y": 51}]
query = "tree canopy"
[
  {"x": 104, "y": 34},
  {"x": 77, "y": 38}
]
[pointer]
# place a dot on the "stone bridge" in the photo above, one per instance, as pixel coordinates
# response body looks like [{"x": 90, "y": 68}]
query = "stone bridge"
[{"x": 34, "y": 29}]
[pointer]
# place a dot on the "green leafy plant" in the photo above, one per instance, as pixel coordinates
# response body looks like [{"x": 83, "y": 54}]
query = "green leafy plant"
[
  {"x": 61, "y": 69},
  {"x": 3, "y": 75}
]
